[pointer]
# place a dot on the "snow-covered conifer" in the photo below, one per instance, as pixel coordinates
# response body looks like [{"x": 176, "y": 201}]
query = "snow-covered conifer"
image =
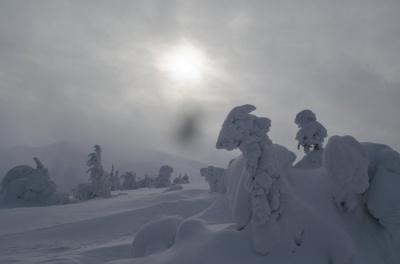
[
  {"x": 164, "y": 177},
  {"x": 181, "y": 179},
  {"x": 213, "y": 175},
  {"x": 312, "y": 133},
  {"x": 249, "y": 133},
  {"x": 130, "y": 182},
  {"x": 99, "y": 179},
  {"x": 346, "y": 162},
  {"x": 114, "y": 180},
  {"x": 146, "y": 182},
  {"x": 25, "y": 186}
]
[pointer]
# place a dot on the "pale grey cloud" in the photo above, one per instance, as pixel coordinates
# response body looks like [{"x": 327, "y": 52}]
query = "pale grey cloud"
[{"x": 87, "y": 71}]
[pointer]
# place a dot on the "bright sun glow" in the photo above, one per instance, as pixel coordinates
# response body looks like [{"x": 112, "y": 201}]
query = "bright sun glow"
[{"x": 185, "y": 63}]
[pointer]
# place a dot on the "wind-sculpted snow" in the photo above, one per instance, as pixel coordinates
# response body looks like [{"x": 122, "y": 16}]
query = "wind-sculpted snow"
[
  {"x": 26, "y": 186},
  {"x": 155, "y": 236},
  {"x": 346, "y": 162}
]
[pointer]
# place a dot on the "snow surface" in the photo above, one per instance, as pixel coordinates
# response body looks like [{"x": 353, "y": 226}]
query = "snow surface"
[
  {"x": 191, "y": 225},
  {"x": 103, "y": 230}
]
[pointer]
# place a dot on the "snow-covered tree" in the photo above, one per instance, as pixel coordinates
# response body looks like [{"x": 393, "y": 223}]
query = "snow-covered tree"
[
  {"x": 213, "y": 176},
  {"x": 346, "y": 162},
  {"x": 130, "y": 182},
  {"x": 312, "y": 133},
  {"x": 164, "y": 177},
  {"x": 114, "y": 180},
  {"x": 255, "y": 193},
  {"x": 181, "y": 180},
  {"x": 99, "y": 179},
  {"x": 83, "y": 192},
  {"x": 366, "y": 173},
  {"x": 26, "y": 186},
  {"x": 146, "y": 182}
]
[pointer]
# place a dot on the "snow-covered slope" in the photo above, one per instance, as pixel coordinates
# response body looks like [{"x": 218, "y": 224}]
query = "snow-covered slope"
[{"x": 95, "y": 231}]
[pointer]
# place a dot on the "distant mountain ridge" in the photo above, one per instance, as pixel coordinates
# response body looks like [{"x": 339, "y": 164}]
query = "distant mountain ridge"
[{"x": 66, "y": 162}]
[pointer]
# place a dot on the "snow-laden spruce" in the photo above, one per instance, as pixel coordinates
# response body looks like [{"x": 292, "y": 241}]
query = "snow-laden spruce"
[
  {"x": 346, "y": 162},
  {"x": 310, "y": 137},
  {"x": 146, "y": 182},
  {"x": 26, "y": 186},
  {"x": 164, "y": 177},
  {"x": 312, "y": 133},
  {"x": 114, "y": 180},
  {"x": 366, "y": 172},
  {"x": 261, "y": 178},
  {"x": 213, "y": 176},
  {"x": 99, "y": 185},
  {"x": 99, "y": 179},
  {"x": 181, "y": 179},
  {"x": 130, "y": 182}
]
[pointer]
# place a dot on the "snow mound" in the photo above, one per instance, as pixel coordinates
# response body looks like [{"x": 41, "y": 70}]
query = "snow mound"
[{"x": 155, "y": 236}]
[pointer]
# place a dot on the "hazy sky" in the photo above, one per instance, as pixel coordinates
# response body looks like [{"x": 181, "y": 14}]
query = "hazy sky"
[{"x": 164, "y": 74}]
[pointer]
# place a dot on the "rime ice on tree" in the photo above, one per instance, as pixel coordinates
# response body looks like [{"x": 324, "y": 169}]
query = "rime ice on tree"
[
  {"x": 249, "y": 133},
  {"x": 312, "y": 133},
  {"x": 100, "y": 182},
  {"x": 181, "y": 180},
  {"x": 25, "y": 186},
  {"x": 213, "y": 176},
  {"x": 164, "y": 177},
  {"x": 130, "y": 182},
  {"x": 114, "y": 180},
  {"x": 346, "y": 162}
]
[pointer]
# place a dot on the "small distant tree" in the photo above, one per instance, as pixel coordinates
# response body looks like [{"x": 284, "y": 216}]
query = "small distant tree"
[
  {"x": 99, "y": 179},
  {"x": 213, "y": 176},
  {"x": 130, "y": 182},
  {"x": 311, "y": 134},
  {"x": 164, "y": 177},
  {"x": 114, "y": 180},
  {"x": 146, "y": 182},
  {"x": 181, "y": 180}
]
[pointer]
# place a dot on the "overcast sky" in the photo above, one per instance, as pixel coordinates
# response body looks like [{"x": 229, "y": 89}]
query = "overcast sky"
[{"x": 102, "y": 72}]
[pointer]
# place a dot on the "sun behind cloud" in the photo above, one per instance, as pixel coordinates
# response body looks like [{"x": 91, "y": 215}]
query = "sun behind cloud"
[{"x": 184, "y": 63}]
